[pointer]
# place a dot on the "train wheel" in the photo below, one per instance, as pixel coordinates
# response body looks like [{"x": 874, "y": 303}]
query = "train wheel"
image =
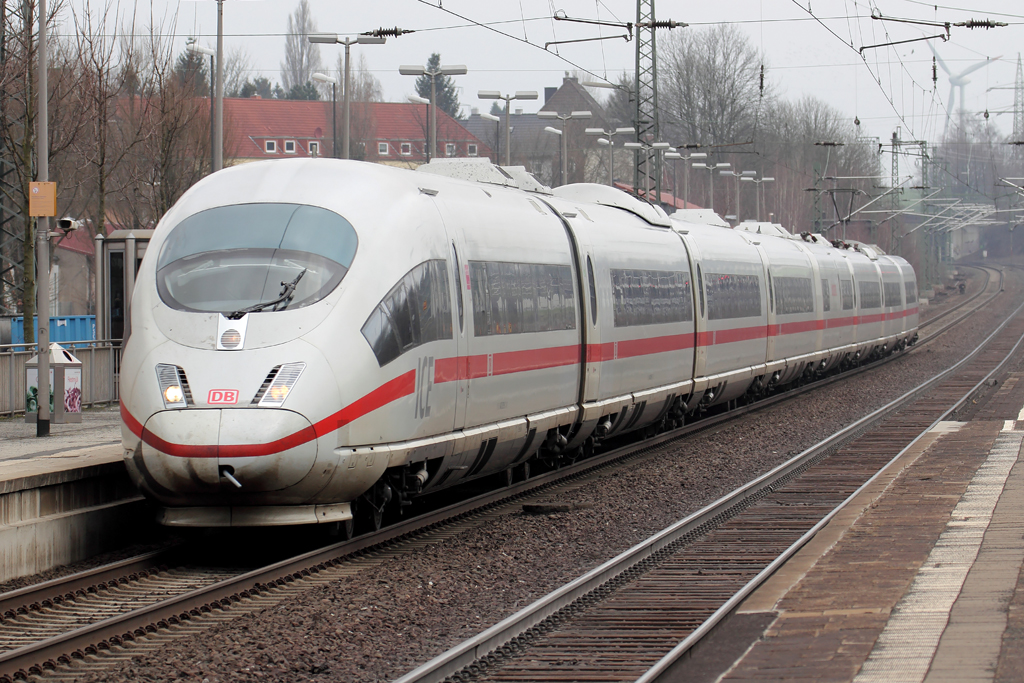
[
  {"x": 376, "y": 518},
  {"x": 524, "y": 471}
]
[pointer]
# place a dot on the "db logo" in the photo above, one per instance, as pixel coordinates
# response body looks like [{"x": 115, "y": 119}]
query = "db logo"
[{"x": 222, "y": 397}]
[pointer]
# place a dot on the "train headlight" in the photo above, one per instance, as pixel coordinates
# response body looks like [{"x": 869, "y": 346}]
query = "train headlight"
[
  {"x": 284, "y": 378},
  {"x": 172, "y": 385}
]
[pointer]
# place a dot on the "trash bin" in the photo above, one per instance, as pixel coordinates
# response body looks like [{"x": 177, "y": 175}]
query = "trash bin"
[{"x": 65, "y": 381}]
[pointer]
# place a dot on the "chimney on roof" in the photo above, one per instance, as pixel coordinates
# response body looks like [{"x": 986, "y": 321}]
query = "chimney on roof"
[
  {"x": 474, "y": 111},
  {"x": 255, "y": 97},
  {"x": 548, "y": 92}
]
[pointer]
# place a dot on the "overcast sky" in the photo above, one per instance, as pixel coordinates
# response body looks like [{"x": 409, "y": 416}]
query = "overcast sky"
[{"x": 502, "y": 44}]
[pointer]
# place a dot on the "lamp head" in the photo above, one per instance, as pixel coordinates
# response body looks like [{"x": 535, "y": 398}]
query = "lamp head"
[
  {"x": 580, "y": 115},
  {"x": 549, "y": 129},
  {"x": 406, "y": 70},
  {"x": 594, "y": 131},
  {"x": 525, "y": 95},
  {"x": 324, "y": 78},
  {"x": 323, "y": 37},
  {"x": 490, "y": 117},
  {"x": 457, "y": 70},
  {"x": 699, "y": 155},
  {"x": 547, "y": 114},
  {"x": 371, "y": 40},
  {"x": 416, "y": 99},
  {"x": 488, "y": 94}
]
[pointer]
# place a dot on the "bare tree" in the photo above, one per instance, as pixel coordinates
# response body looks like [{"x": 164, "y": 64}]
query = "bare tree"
[
  {"x": 301, "y": 58},
  {"x": 709, "y": 86},
  {"x": 237, "y": 67}
]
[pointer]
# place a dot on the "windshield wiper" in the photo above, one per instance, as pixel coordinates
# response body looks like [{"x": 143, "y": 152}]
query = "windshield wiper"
[{"x": 285, "y": 297}]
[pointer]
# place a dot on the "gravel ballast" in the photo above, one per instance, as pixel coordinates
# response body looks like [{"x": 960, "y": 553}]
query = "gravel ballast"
[{"x": 380, "y": 624}]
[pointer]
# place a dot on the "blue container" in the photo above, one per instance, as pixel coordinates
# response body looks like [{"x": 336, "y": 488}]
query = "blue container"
[{"x": 63, "y": 329}]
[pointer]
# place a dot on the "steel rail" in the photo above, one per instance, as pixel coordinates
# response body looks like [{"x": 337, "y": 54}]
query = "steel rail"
[
  {"x": 126, "y": 626},
  {"x": 683, "y": 647},
  {"x": 85, "y": 580},
  {"x": 988, "y": 272},
  {"x": 471, "y": 651}
]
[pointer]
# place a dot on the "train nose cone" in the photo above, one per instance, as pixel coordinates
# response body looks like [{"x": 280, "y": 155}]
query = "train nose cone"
[{"x": 188, "y": 451}]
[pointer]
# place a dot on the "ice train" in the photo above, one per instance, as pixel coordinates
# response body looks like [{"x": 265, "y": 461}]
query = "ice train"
[{"x": 310, "y": 336}]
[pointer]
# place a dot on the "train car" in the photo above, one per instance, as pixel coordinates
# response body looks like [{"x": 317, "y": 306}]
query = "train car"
[{"x": 313, "y": 338}]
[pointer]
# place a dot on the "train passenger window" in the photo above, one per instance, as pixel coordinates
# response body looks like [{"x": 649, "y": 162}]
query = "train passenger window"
[
  {"x": 458, "y": 285},
  {"x": 891, "y": 291},
  {"x": 911, "y": 288},
  {"x": 651, "y": 297},
  {"x": 415, "y": 312},
  {"x": 870, "y": 294},
  {"x": 732, "y": 296},
  {"x": 593, "y": 291},
  {"x": 793, "y": 295},
  {"x": 512, "y": 298},
  {"x": 846, "y": 290},
  {"x": 826, "y": 298},
  {"x": 234, "y": 257}
]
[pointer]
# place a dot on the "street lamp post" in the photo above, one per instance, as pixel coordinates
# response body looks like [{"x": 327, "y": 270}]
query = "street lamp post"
[
  {"x": 676, "y": 156},
  {"x": 564, "y": 134},
  {"x": 347, "y": 42},
  {"x": 636, "y": 146},
  {"x": 757, "y": 195},
  {"x": 324, "y": 78},
  {"x": 497, "y": 135},
  {"x": 711, "y": 168},
  {"x": 195, "y": 48},
  {"x": 607, "y": 142},
  {"x": 458, "y": 70},
  {"x": 495, "y": 95},
  {"x": 738, "y": 176}
]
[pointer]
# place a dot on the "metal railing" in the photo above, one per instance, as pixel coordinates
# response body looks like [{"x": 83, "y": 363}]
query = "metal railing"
[{"x": 101, "y": 364}]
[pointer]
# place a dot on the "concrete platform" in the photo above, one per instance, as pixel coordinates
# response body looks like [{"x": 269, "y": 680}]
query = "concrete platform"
[
  {"x": 64, "y": 497},
  {"x": 919, "y": 579}
]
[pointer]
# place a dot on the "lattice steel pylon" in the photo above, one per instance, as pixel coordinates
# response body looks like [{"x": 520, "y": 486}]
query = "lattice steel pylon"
[
  {"x": 1018, "y": 104},
  {"x": 647, "y": 159}
]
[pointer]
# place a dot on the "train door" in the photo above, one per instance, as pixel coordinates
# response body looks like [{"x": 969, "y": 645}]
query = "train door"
[
  {"x": 770, "y": 312},
  {"x": 700, "y": 349},
  {"x": 463, "y": 319}
]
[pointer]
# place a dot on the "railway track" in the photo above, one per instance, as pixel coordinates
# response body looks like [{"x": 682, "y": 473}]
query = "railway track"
[
  {"x": 89, "y": 619},
  {"x": 618, "y": 621}
]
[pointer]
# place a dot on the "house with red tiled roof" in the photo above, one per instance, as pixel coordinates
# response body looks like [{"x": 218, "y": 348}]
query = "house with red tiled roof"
[{"x": 393, "y": 133}]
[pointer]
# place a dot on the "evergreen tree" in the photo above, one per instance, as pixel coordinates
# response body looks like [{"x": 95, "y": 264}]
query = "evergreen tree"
[
  {"x": 190, "y": 69},
  {"x": 497, "y": 109},
  {"x": 258, "y": 86},
  {"x": 447, "y": 94},
  {"x": 307, "y": 91}
]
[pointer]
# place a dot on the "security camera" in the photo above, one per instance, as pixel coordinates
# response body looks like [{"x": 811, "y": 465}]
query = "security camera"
[{"x": 68, "y": 224}]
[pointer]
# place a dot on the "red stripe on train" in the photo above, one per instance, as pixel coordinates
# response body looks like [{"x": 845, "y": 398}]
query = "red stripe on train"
[{"x": 401, "y": 386}]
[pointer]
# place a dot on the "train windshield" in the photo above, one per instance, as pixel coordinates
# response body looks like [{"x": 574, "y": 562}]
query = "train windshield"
[{"x": 237, "y": 257}]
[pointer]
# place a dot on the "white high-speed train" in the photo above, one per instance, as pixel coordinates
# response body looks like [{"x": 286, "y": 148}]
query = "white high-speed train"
[{"x": 306, "y": 334}]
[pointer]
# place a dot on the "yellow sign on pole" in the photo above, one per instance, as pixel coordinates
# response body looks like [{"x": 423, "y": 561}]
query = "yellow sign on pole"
[{"x": 42, "y": 199}]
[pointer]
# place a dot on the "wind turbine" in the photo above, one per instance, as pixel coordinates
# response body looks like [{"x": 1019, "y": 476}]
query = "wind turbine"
[{"x": 957, "y": 81}]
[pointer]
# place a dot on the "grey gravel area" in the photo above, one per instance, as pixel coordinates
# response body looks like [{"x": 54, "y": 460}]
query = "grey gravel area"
[{"x": 378, "y": 625}]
